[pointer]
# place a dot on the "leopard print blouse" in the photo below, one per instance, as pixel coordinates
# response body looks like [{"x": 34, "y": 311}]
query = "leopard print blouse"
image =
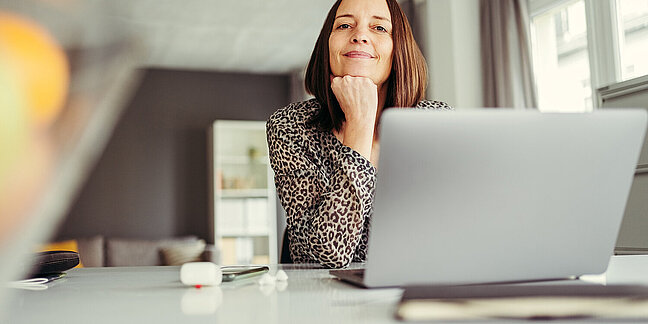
[{"x": 326, "y": 188}]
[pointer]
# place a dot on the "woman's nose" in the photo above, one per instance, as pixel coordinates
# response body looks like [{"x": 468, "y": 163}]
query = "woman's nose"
[{"x": 360, "y": 37}]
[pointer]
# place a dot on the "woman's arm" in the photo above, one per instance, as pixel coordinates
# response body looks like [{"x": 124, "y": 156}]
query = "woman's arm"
[
  {"x": 358, "y": 99},
  {"x": 325, "y": 216}
]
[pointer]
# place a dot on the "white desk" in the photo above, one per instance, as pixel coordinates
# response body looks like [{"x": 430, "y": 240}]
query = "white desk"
[{"x": 155, "y": 295}]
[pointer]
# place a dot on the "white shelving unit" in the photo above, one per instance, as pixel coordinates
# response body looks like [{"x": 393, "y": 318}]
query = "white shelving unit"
[{"x": 243, "y": 203}]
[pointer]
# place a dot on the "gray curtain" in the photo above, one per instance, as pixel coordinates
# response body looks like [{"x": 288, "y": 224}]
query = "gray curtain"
[{"x": 506, "y": 54}]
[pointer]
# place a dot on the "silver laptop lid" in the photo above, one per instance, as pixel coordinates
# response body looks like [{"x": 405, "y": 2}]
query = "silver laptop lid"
[{"x": 499, "y": 195}]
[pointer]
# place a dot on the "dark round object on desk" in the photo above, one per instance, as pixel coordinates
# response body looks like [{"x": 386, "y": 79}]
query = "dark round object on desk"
[{"x": 54, "y": 262}]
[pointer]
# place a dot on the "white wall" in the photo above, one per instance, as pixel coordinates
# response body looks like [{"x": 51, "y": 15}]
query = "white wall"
[{"x": 452, "y": 49}]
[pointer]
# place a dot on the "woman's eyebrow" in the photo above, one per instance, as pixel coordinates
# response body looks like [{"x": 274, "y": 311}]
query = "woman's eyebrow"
[
  {"x": 345, "y": 16},
  {"x": 351, "y": 16},
  {"x": 382, "y": 18}
]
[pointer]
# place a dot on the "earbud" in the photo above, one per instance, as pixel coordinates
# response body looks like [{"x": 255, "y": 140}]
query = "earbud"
[{"x": 281, "y": 276}]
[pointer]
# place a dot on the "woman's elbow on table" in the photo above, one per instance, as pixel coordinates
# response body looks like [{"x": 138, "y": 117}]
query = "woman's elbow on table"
[
  {"x": 334, "y": 256},
  {"x": 338, "y": 263}
]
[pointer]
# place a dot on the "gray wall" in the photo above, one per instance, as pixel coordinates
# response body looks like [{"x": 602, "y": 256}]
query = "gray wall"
[{"x": 151, "y": 181}]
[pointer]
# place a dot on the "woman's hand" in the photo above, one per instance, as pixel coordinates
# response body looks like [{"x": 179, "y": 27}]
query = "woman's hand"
[{"x": 358, "y": 98}]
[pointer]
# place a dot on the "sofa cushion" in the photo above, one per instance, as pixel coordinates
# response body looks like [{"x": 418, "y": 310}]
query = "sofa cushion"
[
  {"x": 91, "y": 251},
  {"x": 134, "y": 252},
  {"x": 182, "y": 253}
]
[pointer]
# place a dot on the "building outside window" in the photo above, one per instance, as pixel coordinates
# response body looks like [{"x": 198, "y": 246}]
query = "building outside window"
[
  {"x": 633, "y": 37},
  {"x": 581, "y": 45},
  {"x": 561, "y": 58}
]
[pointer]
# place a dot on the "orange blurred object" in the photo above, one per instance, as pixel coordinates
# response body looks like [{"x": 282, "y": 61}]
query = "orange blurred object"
[{"x": 40, "y": 65}]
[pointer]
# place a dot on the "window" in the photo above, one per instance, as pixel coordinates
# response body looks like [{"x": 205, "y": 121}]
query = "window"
[
  {"x": 561, "y": 59},
  {"x": 633, "y": 37},
  {"x": 581, "y": 45}
]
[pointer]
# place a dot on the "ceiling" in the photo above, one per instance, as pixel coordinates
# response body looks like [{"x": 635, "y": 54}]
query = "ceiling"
[{"x": 258, "y": 36}]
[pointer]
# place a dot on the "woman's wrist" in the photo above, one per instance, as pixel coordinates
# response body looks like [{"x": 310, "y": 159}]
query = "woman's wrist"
[
  {"x": 361, "y": 121},
  {"x": 359, "y": 136}
]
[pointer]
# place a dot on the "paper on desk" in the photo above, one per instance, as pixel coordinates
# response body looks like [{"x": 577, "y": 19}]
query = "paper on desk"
[{"x": 29, "y": 284}]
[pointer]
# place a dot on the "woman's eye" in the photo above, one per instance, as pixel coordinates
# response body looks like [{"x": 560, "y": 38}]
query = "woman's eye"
[
  {"x": 344, "y": 26},
  {"x": 381, "y": 28}
]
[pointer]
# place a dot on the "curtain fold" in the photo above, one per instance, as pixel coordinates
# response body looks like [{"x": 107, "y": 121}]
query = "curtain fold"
[{"x": 506, "y": 54}]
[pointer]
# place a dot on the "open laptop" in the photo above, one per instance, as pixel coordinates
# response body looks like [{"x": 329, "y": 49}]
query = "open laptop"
[{"x": 487, "y": 196}]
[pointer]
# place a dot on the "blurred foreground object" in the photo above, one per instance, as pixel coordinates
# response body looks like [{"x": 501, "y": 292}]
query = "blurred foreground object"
[
  {"x": 40, "y": 65},
  {"x": 34, "y": 78},
  {"x": 13, "y": 125},
  {"x": 67, "y": 69}
]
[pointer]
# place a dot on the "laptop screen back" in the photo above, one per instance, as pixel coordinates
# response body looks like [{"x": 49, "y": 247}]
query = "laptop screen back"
[{"x": 489, "y": 196}]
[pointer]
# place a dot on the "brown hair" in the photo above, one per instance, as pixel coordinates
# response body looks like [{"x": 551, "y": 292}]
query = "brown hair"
[{"x": 407, "y": 79}]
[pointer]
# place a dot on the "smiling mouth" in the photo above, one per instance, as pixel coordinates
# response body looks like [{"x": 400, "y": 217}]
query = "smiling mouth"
[{"x": 358, "y": 54}]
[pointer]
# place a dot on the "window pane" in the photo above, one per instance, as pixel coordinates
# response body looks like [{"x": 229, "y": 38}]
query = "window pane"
[
  {"x": 633, "y": 38},
  {"x": 561, "y": 59}
]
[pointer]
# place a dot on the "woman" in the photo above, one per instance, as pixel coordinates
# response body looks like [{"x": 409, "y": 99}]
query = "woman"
[{"x": 324, "y": 151}]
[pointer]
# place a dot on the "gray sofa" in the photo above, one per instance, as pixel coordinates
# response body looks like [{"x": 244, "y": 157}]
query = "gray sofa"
[{"x": 99, "y": 251}]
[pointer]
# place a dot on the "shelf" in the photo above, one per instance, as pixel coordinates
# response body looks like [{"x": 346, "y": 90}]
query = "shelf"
[
  {"x": 241, "y": 159},
  {"x": 244, "y": 234},
  {"x": 242, "y": 193},
  {"x": 240, "y": 125}
]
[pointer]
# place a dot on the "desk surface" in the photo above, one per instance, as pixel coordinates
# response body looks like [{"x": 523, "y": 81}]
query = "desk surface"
[{"x": 155, "y": 295}]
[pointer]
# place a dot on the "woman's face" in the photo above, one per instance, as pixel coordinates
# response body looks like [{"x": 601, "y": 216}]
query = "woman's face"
[{"x": 361, "y": 40}]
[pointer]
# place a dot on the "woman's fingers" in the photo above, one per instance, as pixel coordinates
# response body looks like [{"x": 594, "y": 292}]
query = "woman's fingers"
[{"x": 357, "y": 96}]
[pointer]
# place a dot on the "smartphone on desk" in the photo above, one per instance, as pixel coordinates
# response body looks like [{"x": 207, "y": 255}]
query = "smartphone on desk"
[{"x": 231, "y": 273}]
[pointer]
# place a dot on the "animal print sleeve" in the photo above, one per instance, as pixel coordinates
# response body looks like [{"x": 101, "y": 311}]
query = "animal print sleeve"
[{"x": 325, "y": 215}]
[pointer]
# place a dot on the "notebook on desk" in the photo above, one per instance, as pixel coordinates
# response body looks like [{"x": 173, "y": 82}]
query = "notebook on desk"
[
  {"x": 523, "y": 302},
  {"x": 488, "y": 196}
]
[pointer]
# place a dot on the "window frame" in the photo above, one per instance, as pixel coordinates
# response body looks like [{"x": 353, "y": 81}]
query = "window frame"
[{"x": 602, "y": 39}]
